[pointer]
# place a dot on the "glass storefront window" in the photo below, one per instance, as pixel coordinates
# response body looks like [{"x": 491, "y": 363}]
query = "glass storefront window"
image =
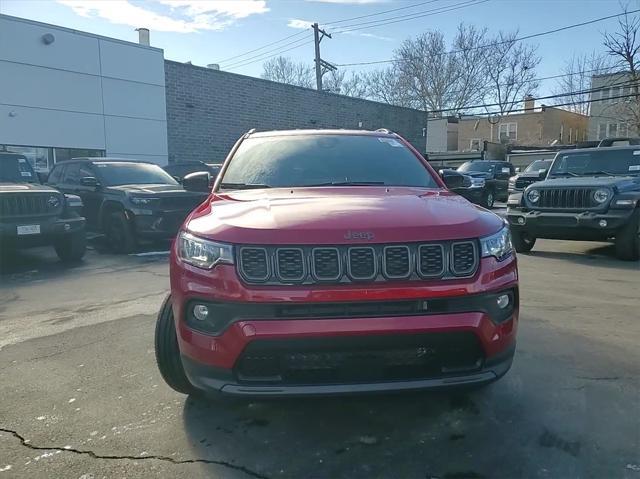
[
  {"x": 62, "y": 154},
  {"x": 40, "y": 158}
]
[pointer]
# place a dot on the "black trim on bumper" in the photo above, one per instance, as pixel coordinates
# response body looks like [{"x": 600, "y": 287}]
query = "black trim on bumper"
[
  {"x": 51, "y": 229},
  {"x": 566, "y": 225},
  {"x": 210, "y": 379}
]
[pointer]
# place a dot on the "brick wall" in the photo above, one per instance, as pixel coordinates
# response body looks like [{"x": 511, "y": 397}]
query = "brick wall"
[{"x": 208, "y": 110}]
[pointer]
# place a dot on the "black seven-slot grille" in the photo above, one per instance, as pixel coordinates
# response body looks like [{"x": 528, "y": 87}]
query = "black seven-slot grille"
[
  {"x": 337, "y": 264},
  {"x": 571, "y": 198},
  {"x": 28, "y": 204}
]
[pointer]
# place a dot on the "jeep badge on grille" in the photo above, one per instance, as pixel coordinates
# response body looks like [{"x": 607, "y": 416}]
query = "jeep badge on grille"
[{"x": 359, "y": 235}]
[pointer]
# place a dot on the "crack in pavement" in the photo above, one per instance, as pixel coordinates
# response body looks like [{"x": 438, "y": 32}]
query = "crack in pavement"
[{"x": 24, "y": 442}]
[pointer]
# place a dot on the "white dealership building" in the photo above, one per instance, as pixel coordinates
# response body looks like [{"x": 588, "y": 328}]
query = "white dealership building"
[{"x": 65, "y": 93}]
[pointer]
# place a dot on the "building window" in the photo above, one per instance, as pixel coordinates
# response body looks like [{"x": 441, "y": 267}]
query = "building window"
[
  {"x": 40, "y": 158},
  {"x": 613, "y": 130},
  {"x": 561, "y": 132},
  {"x": 623, "y": 129},
  {"x": 602, "y": 131},
  {"x": 605, "y": 93},
  {"x": 570, "y": 135},
  {"x": 474, "y": 144},
  {"x": 62, "y": 154},
  {"x": 508, "y": 131}
]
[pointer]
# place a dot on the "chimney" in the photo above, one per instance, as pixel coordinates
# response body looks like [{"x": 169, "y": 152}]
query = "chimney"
[
  {"x": 213, "y": 66},
  {"x": 529, "y": 103},
  {"x": 143, "y": 36}
]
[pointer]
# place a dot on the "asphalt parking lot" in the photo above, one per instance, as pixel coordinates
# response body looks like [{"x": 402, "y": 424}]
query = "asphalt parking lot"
[{"x": 82, "y": 398}]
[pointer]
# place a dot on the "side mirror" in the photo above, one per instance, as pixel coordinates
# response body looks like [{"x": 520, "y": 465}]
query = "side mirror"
[
  {"x": 89, "y": 181},
  {"x": 518, "y": 170},
  {"x": 542, "y": 174},
  {"x": 452, "y": 179},
  {"x": 198, "y": 182}
]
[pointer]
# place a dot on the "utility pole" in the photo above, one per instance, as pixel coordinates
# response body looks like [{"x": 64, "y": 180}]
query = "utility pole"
[{"x": 322, "y": 66}]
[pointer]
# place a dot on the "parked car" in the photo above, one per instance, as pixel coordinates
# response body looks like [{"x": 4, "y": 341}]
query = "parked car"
[
  {"x": 588, "y": 195},
  {"x": 127, "y": 200},
  {"x": 336, "y": 261},
  {"x": 492, "y": 177},
  {"x": 619, "y": 141},
  {"x": 32, "y": 214},
  {"x": 181, "y": 169},
  {"x": 536, "y": 171}
]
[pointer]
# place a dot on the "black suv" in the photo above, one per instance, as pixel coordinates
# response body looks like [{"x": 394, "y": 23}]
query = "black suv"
[
  {"x": 536, "y": 171},
  {"x": 590, "y": 194},
  {"x": 127, "y": 200},
  {"x": 490, "y": 180},
  {"x": 32, "y": 214}
]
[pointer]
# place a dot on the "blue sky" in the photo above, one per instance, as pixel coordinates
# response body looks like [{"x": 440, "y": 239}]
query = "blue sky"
[{"x": 209, "y": 31}]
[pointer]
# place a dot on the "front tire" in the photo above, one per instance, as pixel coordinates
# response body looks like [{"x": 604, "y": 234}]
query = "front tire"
[
  {"x": 489, "y": 198},
  {"x": 628, "y": 240},
  {"x": 168, "y": 353},
  {"x": 71, "y": 248},
  {"x": 119, "y": 233},
  {"x": 523, "y": 242}
]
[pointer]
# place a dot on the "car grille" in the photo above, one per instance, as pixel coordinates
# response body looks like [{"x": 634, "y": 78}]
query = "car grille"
[
  {"x": 358, "y": 359},
  {"x": 28, "y": 205},
  {"x": 339, "y": 264},
  {"x": 180, "y": 202},
  {"x": 569, "y": 198},
  {"x": 522, "y": 183}
]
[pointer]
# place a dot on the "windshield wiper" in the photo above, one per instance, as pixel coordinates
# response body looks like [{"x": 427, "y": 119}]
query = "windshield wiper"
[
  {"x": 564, "y": 173},
  {"x": 346, "y": 183},
  {"x": 242, "y": 186},
  {"x": 598, "y": 172}
]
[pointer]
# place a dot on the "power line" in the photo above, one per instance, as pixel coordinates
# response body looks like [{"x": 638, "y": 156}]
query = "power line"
[
  {"x": 413, "y": 16},
  {"x": 305, "y": 42},
  {"x": 517, "y": 39},
  {"x": 277, "y": 50},
  {"x": 379, "y": 13},
  {"x": 262, "y": 47},
  {"x": 549, "y": 97}
]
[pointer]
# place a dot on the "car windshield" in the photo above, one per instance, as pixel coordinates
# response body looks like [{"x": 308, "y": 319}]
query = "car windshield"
[
  {"x": 597, "y": 162},
  {"x": 16, "y": 169},
  {"x": 120, "y": 173},
  {"x": 483, "y": 166},
  {"x": 538, "y": 165},
  {"x": 324, "y": 160}
]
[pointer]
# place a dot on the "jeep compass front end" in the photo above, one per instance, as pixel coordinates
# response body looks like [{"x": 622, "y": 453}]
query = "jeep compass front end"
[{"x": 328, "y": 262}]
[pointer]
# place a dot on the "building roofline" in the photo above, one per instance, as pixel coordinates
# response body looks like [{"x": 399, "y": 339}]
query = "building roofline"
[{"x": 78, "y": 32}]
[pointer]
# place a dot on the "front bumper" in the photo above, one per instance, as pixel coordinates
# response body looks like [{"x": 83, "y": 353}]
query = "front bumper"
[
  {"x": 52, "y": 229},
  {"x": 212, "y": 362},
  {"x": 566, "y": 225}
]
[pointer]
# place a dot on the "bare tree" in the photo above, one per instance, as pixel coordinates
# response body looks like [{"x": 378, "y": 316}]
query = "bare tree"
[
  {"x": 578, "y": 72},
  {"x": 510, "y": 69},
  {"x": 386, "y": 86},
  {"x": 337, "y": 81},
  {"x": 284, "y": 70},
  {"x": 624, "y": 47},
  {"x": 437, "y": 78}
]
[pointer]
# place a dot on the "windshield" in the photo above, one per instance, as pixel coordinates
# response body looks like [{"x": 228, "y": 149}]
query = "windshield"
[
  {"x": 483, "y": 166},
  {"x": 120, "y": 173},
  {"x": 319, "y": 160},
  {"x": 538, "y": 165},
  {"x": 16, "y": 169},
  {"x": 597, "y": 162}
]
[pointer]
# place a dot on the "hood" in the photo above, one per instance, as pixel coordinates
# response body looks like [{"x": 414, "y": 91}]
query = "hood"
[
  {"x": 619, "y": 182},
  {"x": 25, "y": 187},
  {"x": 340, "y": 215},
  {"x": 529, "y": 175},
  {"x": 154, "y": 190}
]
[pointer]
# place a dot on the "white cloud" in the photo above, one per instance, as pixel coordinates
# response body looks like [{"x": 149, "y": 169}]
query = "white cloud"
[
  {"x": 185, "y": 16},
  {"x": 299, "y": 24},
  {"x": 361, "y": 2},
  {"x": 369, "y": 35}
]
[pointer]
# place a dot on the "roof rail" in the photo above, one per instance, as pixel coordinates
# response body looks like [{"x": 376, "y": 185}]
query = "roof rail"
[
  {"x": 384, "y": 130},
  {"x": 252, "y": 130}
]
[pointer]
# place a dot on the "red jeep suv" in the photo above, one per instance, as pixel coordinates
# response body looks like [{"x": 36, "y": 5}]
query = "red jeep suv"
[{"x": 335, "y": 261}]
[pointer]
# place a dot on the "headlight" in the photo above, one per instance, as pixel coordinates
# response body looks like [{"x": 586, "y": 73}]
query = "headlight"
[
  {"x": 143, "y": 200},
  {"x": 533, "y": 196},
  {"x": 498, "y": 245},
  {"x": 477, "y": 182},
  {"x": 601, "y": 195},
  {"x": 203, "y": 253},
  {"x": 73, "y": 201}
]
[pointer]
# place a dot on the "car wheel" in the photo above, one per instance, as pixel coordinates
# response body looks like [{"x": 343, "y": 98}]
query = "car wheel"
[
  {"x": 628, "y": 240},
  {"x": 523, "y": 242},
  {"x": 488, "y": 199},
  {"x": 71, "y": 248},
  {"x": 119, "y": 234},
  {"x": 168, "y": 353}
]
